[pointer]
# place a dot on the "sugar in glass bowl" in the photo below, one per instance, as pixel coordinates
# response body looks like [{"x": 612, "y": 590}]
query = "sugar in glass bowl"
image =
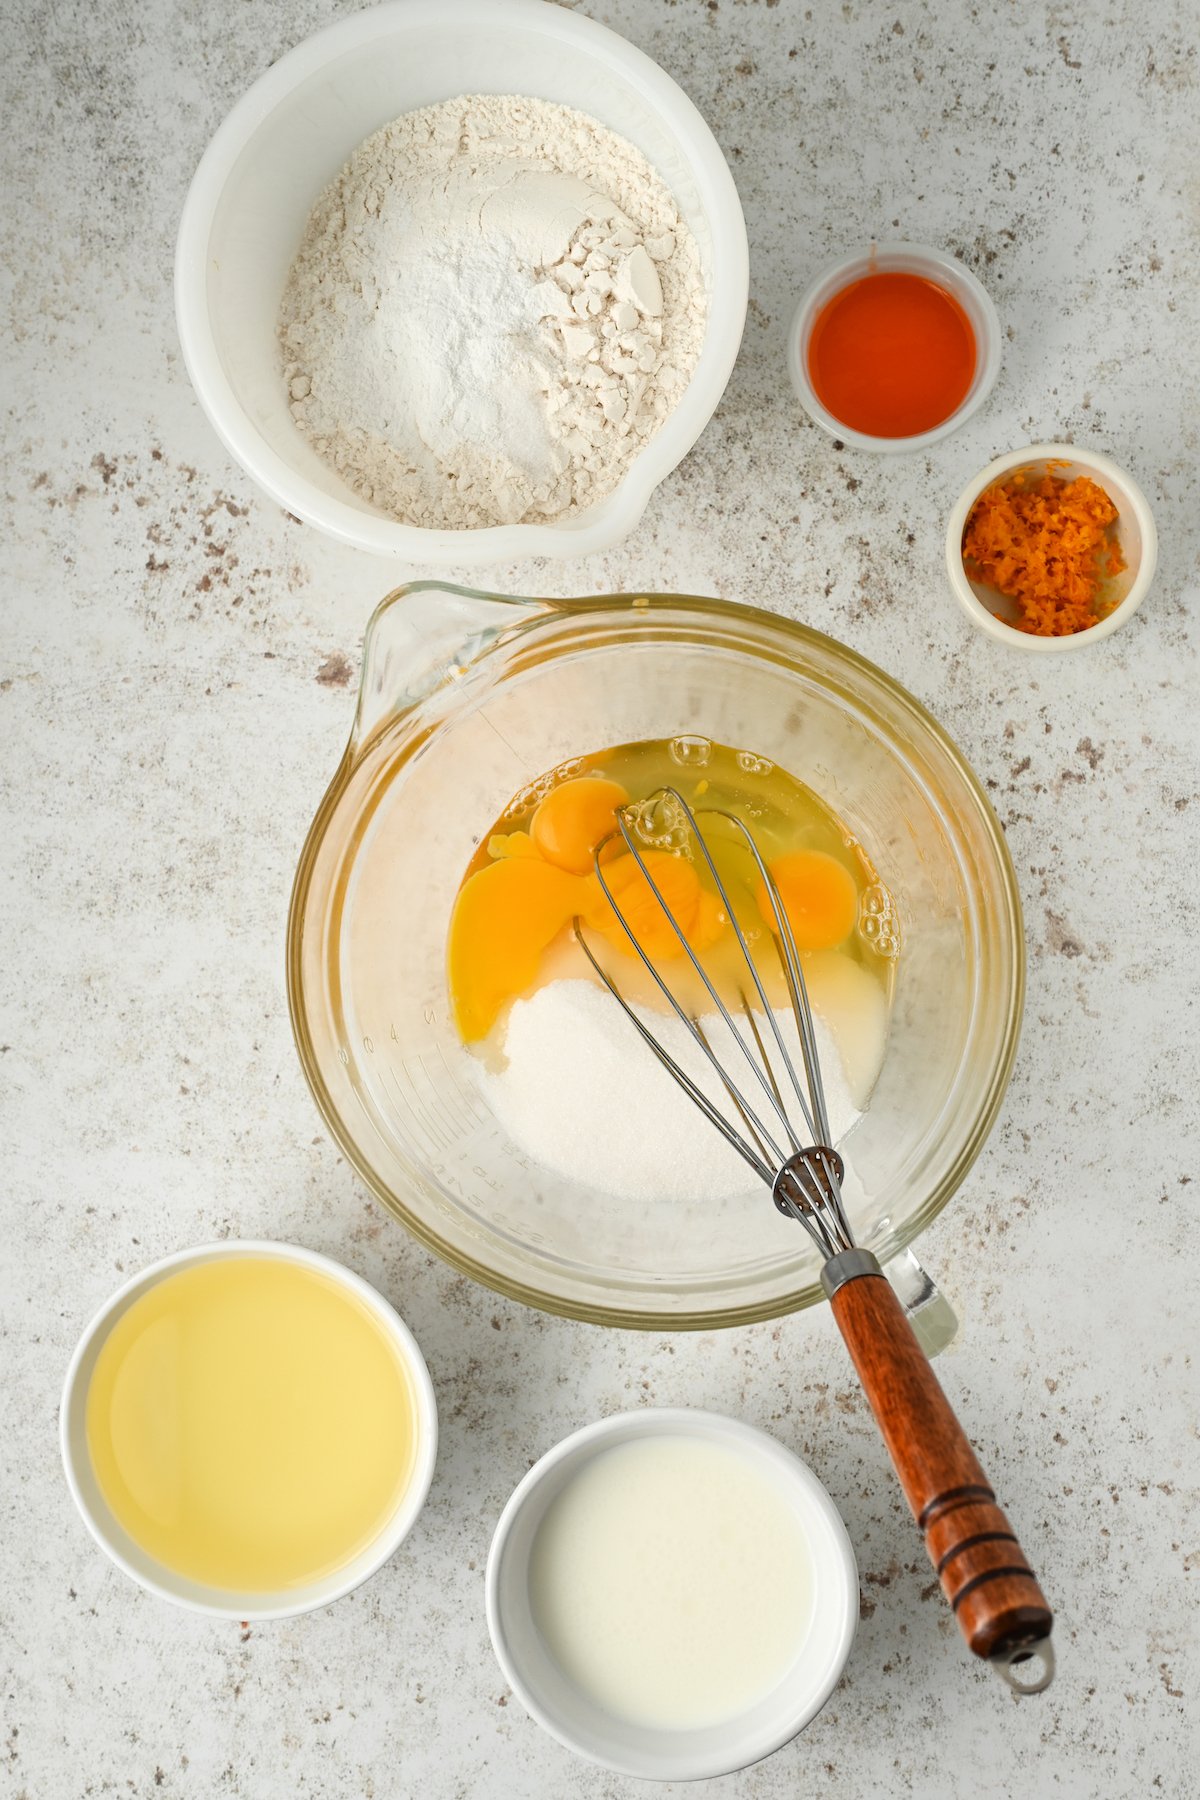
[
  {"x": 464, "y": 697},
  {"x": 293, "y": 131}
]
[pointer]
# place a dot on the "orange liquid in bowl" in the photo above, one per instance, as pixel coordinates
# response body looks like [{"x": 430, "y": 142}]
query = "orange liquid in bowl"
[{"x": 892, "y": 355}]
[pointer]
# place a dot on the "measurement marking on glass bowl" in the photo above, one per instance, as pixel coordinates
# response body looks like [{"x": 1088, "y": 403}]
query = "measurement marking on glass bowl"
[
  {"x": 404, "y": 1112},
  {"x": 433, "y": 1101},
  {"x": 471, "y": 1101},
  {"x": 418, "y": 1105},
  {"x": 436, "y": 1101},
  {"x": 416, "y": 1111}
]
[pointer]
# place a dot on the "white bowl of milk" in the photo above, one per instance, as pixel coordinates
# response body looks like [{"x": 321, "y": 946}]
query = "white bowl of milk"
[{"x": 671, "y": 1594}]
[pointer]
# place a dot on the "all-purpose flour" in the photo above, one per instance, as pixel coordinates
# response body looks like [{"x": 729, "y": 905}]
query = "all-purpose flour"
[{"x": 493, "y": 308}]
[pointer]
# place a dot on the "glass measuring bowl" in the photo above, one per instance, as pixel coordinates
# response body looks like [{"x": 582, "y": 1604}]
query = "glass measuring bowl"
[{"x": 465, "y": 698}]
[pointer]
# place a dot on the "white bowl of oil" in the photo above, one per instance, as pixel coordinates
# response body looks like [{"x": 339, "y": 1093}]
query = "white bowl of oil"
[
  {"x": 671, "y": 1594},
  {"x": 248, "y": 1429}
]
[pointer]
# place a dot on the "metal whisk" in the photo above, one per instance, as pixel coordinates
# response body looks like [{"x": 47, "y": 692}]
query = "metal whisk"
[{"x": 783, "y": 1133}]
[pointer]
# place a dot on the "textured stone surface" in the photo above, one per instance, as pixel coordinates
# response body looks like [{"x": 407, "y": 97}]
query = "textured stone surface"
[{"x": 179, "y": 661}]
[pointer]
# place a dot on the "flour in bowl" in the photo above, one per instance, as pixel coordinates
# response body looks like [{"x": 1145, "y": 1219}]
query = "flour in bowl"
[{"x": 495, "y": 305}]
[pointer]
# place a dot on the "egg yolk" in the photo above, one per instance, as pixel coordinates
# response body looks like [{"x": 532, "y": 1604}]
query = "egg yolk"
[
  {"x": 509, "y": 912},
  {"x": 819, "y": 896},
  {"x": 505, "y": 916},
  {"x": 513, "y": 843},
  {"x": 574, "y": 819},
  {"x": 634, "y": 899},
  {"x": 709, "y": 922}
]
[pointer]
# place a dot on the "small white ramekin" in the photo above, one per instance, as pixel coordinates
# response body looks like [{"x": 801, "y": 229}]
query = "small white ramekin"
[
  {"x": 568, "y": 1715},
  {"x": 146, "y": 1570},
  {"x": 1135, "y": 530},
  {"x": 288, "y": 137},
  {"x": 897, "y": 259}
]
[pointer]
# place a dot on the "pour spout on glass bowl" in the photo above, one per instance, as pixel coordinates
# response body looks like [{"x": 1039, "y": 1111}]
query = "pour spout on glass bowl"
[{"x": 424, "y": 637}]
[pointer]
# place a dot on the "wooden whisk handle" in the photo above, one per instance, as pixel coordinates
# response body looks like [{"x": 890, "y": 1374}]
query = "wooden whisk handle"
[{"x": 983, "y": 1571}]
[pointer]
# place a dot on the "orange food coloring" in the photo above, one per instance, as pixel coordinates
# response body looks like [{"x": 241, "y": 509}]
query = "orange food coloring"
[
  {"x": 819, "y": 895},
  {"x": 892, "y": 355}
]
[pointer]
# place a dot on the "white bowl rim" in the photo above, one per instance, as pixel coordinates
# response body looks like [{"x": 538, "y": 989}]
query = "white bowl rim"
[
  {"x": 896, "y": 254},
  {"x": 709, "y": 1426},
  {"x": 1107, "y": 471},
  {"x": 414, "y": 1496},
  {"x": 619, "y": 512}
]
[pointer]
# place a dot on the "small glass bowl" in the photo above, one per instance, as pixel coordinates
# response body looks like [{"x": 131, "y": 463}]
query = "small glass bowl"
[
  {"x": 935, "y": 265},
  {"x": 993, "y": 613}
]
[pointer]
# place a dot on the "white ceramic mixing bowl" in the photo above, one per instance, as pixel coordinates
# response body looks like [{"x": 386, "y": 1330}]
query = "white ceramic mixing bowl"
[{"x": 291, "y": 134}]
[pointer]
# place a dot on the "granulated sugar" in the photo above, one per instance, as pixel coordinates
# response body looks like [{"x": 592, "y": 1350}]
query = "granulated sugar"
[
  {"x": 494, "y": 307},
  {"x": 584, "y": 1096}
]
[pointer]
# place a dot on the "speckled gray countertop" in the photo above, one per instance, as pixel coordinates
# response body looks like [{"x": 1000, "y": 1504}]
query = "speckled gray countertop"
[{"x": 178, "y": 669}]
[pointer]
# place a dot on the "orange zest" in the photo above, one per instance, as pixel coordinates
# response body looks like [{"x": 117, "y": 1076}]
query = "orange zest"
[{"x": 1047, "y": 543}]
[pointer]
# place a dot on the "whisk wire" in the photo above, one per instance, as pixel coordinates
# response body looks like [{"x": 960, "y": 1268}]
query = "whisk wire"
[
  {"x": 765, "y": 1149},
  {"x": 680, "y": 1011},
  {"x": 793, "y": 972},
  {"x": 755, "y": 976},
  {"x": 805, "y": 1179},
  {"x": 695, "y": 1093}
]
